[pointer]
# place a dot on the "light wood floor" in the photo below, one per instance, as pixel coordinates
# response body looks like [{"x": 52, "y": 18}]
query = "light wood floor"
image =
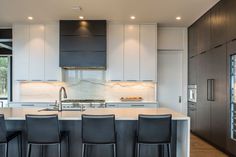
[{"x": 199, "y": 148}]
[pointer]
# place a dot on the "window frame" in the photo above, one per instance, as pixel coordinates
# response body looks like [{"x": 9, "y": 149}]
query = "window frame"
[{"x": 9, "y": 96}]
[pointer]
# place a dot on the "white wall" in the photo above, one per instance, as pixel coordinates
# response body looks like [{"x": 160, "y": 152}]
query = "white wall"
[{"x": 172, "y": 41}]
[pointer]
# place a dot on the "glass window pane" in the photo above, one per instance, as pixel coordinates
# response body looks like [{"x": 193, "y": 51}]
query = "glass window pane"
[{"x": 3, "y": 76}]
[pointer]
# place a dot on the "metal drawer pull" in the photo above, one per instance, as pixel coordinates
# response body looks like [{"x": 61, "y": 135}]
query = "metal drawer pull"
[
  {"x": 136, "y": 105},
  {"x": 27, "y": 105}
]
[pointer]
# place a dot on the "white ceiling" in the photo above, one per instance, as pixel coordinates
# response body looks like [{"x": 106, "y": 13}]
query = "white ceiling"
[{"x": 146, "y": 11}]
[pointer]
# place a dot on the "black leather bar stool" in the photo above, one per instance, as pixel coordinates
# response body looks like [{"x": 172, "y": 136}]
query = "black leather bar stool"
[
  {"x": 154, "y": 130},
  {"x": 98, "y": 130},
  {"x": 44, "y": 130},
  {"x": 6, "y": 137}
]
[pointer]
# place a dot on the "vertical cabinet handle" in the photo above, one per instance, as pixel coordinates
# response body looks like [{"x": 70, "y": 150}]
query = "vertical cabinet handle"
[{"x": 210, "y": 89}]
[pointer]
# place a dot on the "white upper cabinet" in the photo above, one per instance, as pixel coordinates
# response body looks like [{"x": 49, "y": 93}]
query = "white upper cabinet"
[
  {"x": 36, "y": 61},
  {"x": 20, "y": 52},
  {"x": 171, "y": 38},
  {"x": 52, "y": 69},
  {"x": 131, "y": 52},
  {"x": 148, "y": 52},
  {"x": 115, "y": 52},
  {"x": 36, "y": 52}
]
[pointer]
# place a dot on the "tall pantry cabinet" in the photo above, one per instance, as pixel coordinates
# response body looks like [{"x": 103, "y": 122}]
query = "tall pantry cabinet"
[{"x": 211, "y": 45}]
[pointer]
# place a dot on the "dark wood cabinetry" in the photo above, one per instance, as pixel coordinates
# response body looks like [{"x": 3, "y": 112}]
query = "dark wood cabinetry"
[
  {"x": 218, "y": 24},
  {"x": 203, "y": 105},
  {"x": 192, "y": 113},
  {"x": 203, "y": 33},
  {"x": 219, "y": 102},
  {"x": 192, "y": 70},
  {"x": 211, "y": 98},
  {"x": 231, "y": 19},
  {"x": 216, "y": 34},
  {"x": 192, "y": 40}
]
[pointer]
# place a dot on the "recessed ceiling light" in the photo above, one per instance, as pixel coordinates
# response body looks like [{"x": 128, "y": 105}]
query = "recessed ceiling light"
[
  {"x": 178, "y": 18},
  {"x": 30, "y": 18},
  {"x": 81, "y": 17},
  {"x": 132, "y": 17}
]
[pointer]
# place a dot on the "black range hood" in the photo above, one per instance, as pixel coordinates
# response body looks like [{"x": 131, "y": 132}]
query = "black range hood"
[{"x": 83, "y": 44}]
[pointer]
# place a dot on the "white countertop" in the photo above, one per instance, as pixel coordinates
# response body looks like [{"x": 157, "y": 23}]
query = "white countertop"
[
  {"x": 120, "y": 113},
  {"x": 108, "y": 102}
]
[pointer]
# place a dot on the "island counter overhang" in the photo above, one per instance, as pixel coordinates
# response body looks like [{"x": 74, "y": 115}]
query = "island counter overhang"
[{"x": 126, "y": 120}]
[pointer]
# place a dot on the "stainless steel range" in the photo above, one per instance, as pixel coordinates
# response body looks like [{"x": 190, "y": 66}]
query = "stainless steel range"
[{"x": 81, "y": 104}]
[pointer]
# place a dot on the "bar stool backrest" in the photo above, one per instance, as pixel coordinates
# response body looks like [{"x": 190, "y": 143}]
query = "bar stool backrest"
[
  {"x": 154, "y": 129},
  {"x": 42, "y": 129},
  {"x": 98, "y": 129},
  {"x": 3, "y": 131}
]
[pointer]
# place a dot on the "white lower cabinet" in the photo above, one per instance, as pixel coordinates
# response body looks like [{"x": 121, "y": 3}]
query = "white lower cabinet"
[
  {"x": 30, "y": 105},
  {"x": 132, "y": 105},
  {"x": 112, "y": 105}
]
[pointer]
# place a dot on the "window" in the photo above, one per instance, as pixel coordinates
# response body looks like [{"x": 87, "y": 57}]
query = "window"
[
  {"x": 233, "y": 96},
  {"x": 4, "y": 77}
]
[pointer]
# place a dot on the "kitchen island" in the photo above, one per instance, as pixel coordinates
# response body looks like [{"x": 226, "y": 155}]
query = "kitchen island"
[{"x": 126, "y": 123}]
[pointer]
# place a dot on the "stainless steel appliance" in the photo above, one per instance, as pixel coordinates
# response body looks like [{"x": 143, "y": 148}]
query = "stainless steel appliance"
[
  {"x": 81, "y": 104},
  {"x": 192, "y": 93}
]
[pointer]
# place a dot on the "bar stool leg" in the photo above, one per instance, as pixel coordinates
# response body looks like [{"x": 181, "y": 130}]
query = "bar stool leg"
[
  {"x": 68, "y": 146},
  {"x": 28, "y": 150},
  {"x": 19, "y": 141},
  {"x": 59, "y": 150},
  {"x": 114, "y": 150},
  {"x": 137, "y": 150},
  {"x": 83, "y": 148},
  {"x": 169, "y": 150},
  {"x": 6, "y": 150}
]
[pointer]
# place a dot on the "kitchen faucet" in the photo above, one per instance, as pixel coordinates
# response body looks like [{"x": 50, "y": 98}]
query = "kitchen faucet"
[
  {"x": 62, "y": 89},
  {"x": 1, "y": 102}
]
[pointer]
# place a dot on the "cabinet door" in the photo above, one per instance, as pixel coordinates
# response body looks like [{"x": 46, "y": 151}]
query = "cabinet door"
[
  {"x": 148, "y": 52},
  {"x": 192, "y": 40},
  {"x": 203, "y": 105},
  {"x": 115, "y": 51},
  {"x": 203, "y": 31},
  {"x": 219, "y": 104},
  {"x": 192, "y": 113},
  {"x": 192, "y": 70},
  {"x": 131, "y": 52},
  {"x": 231, "y": 20},
  {"x": 218, "y": 24},
  {"x": 20, "y": 52},
  {"x": 36, "y": 61},
  {"x": 52, "y": 70},
  {"x": 112, "y": 105}
]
